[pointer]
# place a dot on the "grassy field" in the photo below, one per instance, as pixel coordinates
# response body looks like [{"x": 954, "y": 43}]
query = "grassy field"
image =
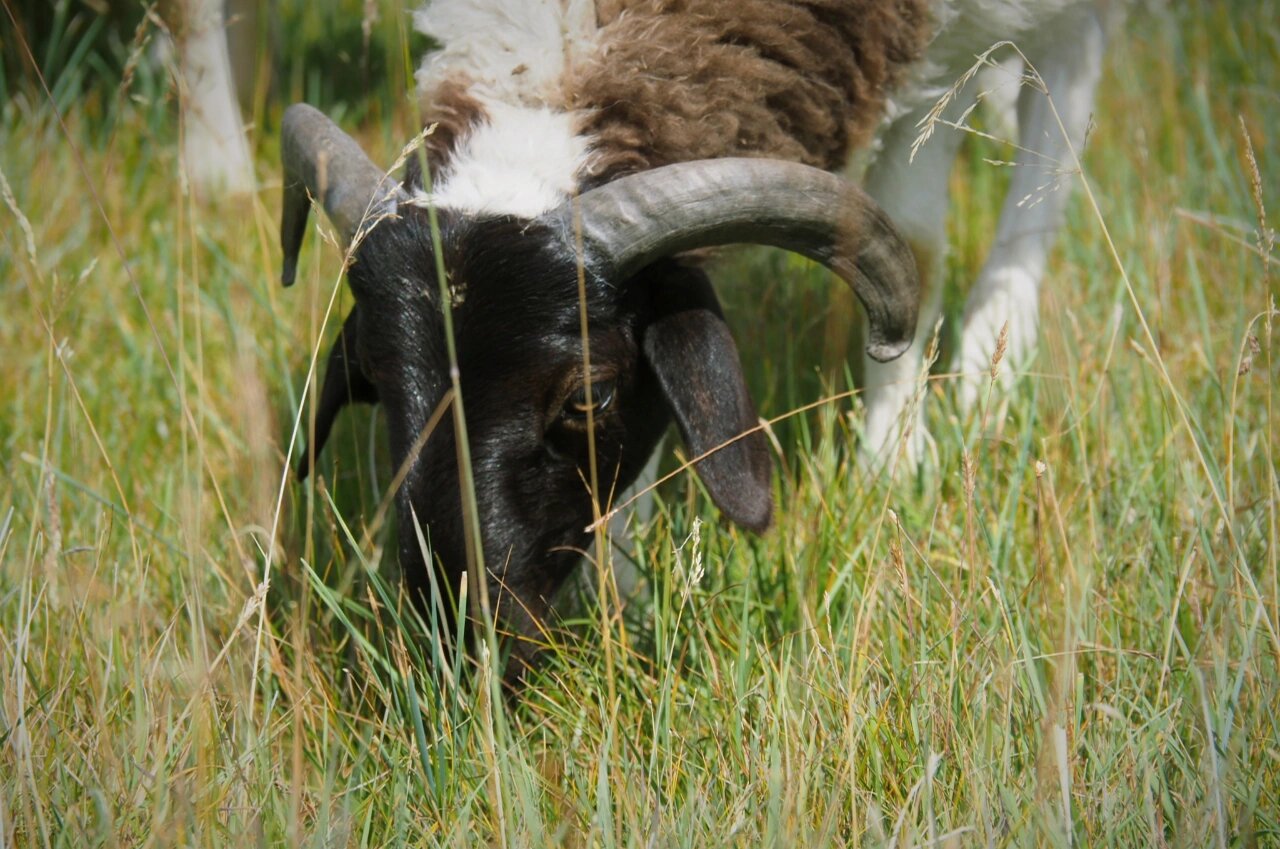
[{"x": 1067, "y": 633}]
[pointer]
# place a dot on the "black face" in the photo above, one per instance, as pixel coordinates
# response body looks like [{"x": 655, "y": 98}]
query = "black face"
[{"x": 658, "y": 347}]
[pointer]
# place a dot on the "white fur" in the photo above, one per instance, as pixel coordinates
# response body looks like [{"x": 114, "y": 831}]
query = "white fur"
[
  {"x": 525, "y": 158},
  {"x": 523, "y": 161},
  {"x": 1064, "y": 40},
  {"x": 512, "y": 51}
]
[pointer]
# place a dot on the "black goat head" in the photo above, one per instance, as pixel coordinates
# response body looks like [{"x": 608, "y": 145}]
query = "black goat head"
[{"x": 538, "y": 398}]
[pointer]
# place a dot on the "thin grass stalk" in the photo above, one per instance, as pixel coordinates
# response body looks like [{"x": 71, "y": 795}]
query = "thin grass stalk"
[
  {"x": 466, "y": 475},
  {"x": 608, "y": 599},
  {"x": 1158, "y": 359}
]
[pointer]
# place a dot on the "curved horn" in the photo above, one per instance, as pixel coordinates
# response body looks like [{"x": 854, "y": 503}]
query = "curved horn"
[
  {"x": 635, "y": 220},
  {"x": 322, "y": 161}
]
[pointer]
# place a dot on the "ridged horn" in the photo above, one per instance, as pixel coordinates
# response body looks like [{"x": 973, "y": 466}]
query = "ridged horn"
[
  {"x": 323, "y": 162},
  {"x": 637, "y": 219}
]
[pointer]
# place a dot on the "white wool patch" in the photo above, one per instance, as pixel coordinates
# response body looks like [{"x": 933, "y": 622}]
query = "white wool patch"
[
  {"x": 513, "y": 51},
  {"x": 513, "y": 54},
  {"x": 523, "y": 161}
]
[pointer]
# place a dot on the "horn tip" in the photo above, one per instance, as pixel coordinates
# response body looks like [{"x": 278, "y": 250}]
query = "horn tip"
[{"x": 883, "y": 352}]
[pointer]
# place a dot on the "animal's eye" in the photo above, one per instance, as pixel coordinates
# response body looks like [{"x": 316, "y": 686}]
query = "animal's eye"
[{"x": 576, "y": 406}]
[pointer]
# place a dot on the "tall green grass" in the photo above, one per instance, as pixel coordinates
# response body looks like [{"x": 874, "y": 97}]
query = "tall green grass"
[{"x": 1065, "y": 633}]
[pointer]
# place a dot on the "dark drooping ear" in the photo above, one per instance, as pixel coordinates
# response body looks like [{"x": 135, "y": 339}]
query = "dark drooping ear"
[
  {"x": 344, "y": 383},
  {"x": 691, "y": 352}
]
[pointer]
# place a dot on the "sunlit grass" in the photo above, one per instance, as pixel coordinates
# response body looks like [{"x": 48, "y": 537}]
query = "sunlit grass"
[{"x": 1064, "y": 634}]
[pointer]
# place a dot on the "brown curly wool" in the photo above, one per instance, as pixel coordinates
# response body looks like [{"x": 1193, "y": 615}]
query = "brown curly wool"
[
  {"x": 451, "y": 110},
  {"x": 677, "y": 80}
]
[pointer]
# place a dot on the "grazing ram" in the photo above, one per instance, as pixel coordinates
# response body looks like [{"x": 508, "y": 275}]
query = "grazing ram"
[{"x": 579, "y": 155}]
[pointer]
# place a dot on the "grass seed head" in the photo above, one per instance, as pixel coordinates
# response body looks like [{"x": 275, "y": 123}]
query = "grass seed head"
[{"x": 1002, "y": 345}]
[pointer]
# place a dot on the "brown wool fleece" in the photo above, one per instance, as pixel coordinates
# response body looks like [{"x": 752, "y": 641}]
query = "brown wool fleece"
[
  {"x": 452, "y": 110},
  {"x": 680, "y": 80},
  {"x": 677, "y": 80}
]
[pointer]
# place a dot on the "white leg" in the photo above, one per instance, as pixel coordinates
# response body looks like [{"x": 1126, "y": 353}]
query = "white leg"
[
  {"x": 1007, "y": 289},
  {"x": 914, "y": 195},
  {"x": 1000, "y": 85},
  {"x": 215, "y": 152}
]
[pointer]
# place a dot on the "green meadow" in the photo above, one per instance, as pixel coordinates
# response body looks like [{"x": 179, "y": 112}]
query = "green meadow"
[{"x": 1063, "y": 630}]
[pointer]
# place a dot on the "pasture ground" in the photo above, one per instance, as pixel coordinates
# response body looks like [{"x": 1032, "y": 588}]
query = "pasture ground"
[{"x": 1065, "y": 632}]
